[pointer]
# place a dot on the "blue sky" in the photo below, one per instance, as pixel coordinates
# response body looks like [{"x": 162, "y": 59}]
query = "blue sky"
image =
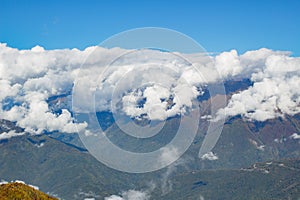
[{"x": 216, "y": 25}]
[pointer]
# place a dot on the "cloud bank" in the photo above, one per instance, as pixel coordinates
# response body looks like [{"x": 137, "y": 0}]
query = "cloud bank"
[
  {"x": 275, "y": 91},
  {"x": 36, "y": 84}
]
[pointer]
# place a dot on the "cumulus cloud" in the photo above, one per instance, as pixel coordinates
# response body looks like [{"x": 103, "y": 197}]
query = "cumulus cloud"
[
  {"x": 209, "y": 156},
  {"x": 228, "y": 63},
  {"x": 140, "y": 84},
  {"x": 275, "y": 91},
  {"x": 149, "y": 84},
  {"x": 28, "y": 78},
  {"x": 130, "y": 195}
]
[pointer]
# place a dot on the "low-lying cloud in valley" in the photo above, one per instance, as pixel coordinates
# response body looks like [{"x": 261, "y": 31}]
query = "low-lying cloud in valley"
[{"x": 130, "y": 195}]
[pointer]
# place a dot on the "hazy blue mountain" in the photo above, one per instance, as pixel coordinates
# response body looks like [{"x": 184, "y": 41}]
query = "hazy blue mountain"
[
  {"x": 70, "y": 172},
  {"x": 254, "y": 160}
]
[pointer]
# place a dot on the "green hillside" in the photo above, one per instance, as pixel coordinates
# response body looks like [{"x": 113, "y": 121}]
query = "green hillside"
[
  {"x": 72, "y": 173},
  {"x": 58, "y": 168},
  {"x": 262, "y": 181}
]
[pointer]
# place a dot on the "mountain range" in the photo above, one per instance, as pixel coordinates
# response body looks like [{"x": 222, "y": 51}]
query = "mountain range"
[{"x": 253, "y": 160}]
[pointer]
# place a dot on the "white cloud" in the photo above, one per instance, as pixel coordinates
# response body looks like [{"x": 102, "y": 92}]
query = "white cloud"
[
  {"x": 29, "y": 77},
  {"x": 209, "y": 156},
  {"x": 295, "y": 136},
  {"x": 275, "y": 91},
  {"x": 3, "y": 182},
  {"x": 151, "y": 84},
  {"x": 130, "y": 195},
  {"x": 39, "y": 145},
  {"x": 114, "y": 197},
  {"x": 10, "y": 134},
  {"x": 161, "y": 80},
  {"x": 8, "y": 90},
  {"x": 228, "y": 63},
  {"x": 38, "y": 117}
]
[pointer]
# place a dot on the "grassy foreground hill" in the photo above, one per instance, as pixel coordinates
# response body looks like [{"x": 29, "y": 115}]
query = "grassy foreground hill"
[{"x": 20, "y": 191}]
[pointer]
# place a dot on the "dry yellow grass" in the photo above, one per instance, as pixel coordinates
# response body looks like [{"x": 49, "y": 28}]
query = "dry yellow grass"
[{"x": 19, "y": 191}]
